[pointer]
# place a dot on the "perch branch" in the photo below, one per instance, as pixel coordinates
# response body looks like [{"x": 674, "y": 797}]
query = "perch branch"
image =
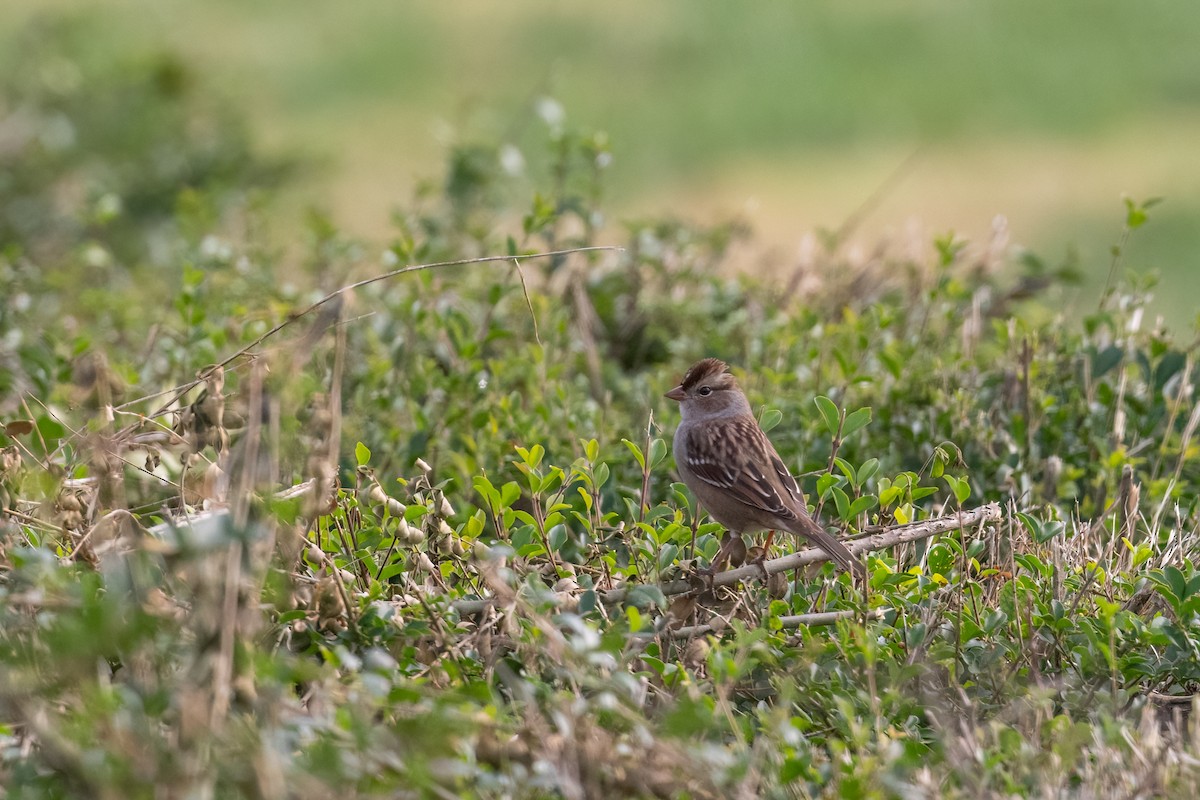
[
  {"x": 788, "y": 622},
  {"x": 888, "y": 538},
  {"x": 204, "y": 533}
]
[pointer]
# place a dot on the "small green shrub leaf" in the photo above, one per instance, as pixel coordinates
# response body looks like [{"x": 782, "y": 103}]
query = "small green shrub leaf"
[
  {"x": 855, "y": 421},
  {"x": 829, "y": 413}
]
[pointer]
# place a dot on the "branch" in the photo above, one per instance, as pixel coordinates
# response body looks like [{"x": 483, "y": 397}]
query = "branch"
[
  {"x": 207, "y": 530},
  {"x": 788, "y": 622},
  {"x": 889, "y": 537}
]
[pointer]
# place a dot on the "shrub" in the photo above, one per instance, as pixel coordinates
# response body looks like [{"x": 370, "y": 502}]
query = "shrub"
[{"x": 177, "y": 618}]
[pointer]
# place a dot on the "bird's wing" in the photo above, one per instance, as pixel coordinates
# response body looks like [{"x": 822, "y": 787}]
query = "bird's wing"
[
  {"x": 728, "y": 456},
  {"x": 736, "y": 457}
]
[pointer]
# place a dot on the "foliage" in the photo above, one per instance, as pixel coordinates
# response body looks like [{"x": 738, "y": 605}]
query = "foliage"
[{"x": 174, "y": 620}]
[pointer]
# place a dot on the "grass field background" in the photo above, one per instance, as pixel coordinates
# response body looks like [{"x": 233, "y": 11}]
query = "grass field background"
[{"x": 789, "y": 116}]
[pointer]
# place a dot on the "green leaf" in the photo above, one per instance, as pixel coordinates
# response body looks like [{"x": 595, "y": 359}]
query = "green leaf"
[
  {"x": 939, "y": 463},
  {"x": 856, "y": 421},
  {"x": 923, "y": 492},
  {"x": 50, "y": 429},
  {"x": 635, "y": 618},
  {"x": 1106, "y": 359},
  {"x": 658, "y": 450},
  {"x": 391, "y": 570},
  {"x": 646, "y": 596},
  {"x": 485, "y": 488},
  {"x": 558, "y": 537},
  {"x": 958, "y": 487},
  {"x": 588, "y": 601},
  {"x": 915, "y": 636},
  {"x": 962, "y": 490},
  {"x": 847, "y": 470},
  {"x": 824, "y": 483},
  {"x": 862, "y": 505},
  {"x": 534, "y": 457},
  {"x": 793, "y": 769},
  {"x": 770, "y": 418},
  {"x": 829, "y": 413},
  {"x": 843, "y": 502},
  {"x": 637, "y": 453},
  {"x": 1135, "y": 213},
  {"x": 509, "y": 493},
  {"x": 362, "y": 454},
  {"x": 1175, "y": 582},
  {"x": 1042, "y": 531},
  {"x": 867, "y": 470}
]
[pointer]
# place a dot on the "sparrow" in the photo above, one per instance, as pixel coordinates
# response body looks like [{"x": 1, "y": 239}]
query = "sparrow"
[{"x": 731, "y": 466}]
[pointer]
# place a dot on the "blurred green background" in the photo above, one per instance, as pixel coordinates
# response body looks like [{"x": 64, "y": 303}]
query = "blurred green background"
[{"x": 788, "y": 115}]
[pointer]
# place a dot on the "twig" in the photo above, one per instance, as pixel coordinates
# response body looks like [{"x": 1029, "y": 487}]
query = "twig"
[
  {"x": 880, "y": 541},
  {"x": 890, "y": 537},
  {"x": 1171, "y": 699},
  {"x": 787, "y": 622},
  {"x": 876, "y": 197},
  {"x": 223, "y": 666},
  {"x": 528, "y": 300}
]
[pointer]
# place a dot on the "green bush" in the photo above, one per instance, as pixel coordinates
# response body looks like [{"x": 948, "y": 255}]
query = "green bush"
[{"x": 175, "y": 619}]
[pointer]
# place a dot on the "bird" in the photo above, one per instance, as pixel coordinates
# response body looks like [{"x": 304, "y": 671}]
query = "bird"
[{"x": 728, "y": 462}]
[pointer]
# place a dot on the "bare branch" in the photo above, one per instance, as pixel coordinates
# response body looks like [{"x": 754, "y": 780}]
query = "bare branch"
[
  {"x": 879, "y": 541},
  {"x": 788, "y": 622}
]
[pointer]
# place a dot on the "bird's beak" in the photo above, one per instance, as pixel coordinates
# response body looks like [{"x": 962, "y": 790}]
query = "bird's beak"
[{"x": 676, "y": 394}]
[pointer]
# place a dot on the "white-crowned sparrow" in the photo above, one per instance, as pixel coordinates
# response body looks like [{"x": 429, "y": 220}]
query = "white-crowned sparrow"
[{"x": 727, "y": 461}]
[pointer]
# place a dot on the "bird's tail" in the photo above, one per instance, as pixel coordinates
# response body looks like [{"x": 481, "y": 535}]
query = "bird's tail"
[{"x": 807, "y": 528}]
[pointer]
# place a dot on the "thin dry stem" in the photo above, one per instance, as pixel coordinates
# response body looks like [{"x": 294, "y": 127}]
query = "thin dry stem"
[
  {"x": 889, "y": 538},
  {"x": 179, "y": 391}
]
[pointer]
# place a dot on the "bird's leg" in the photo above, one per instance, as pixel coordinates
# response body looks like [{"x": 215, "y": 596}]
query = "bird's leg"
[
  {"x": 732, "y": 552},
  {"x": 759, "y": 555}
]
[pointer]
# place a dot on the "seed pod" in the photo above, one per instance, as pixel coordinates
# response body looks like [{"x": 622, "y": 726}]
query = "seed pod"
[
  {"x": 445, "y": 529},
  {"x": 395, "y": 507},
  {"x": 423, "y": 466},
  {"x": 447, "y": 510},
  {"x": 378, "y": 495},
  {"x": 457, "y": 547}
]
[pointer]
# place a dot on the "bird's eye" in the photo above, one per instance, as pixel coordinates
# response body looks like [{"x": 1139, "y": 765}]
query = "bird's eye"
[{"x": 704, "y": 391}]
